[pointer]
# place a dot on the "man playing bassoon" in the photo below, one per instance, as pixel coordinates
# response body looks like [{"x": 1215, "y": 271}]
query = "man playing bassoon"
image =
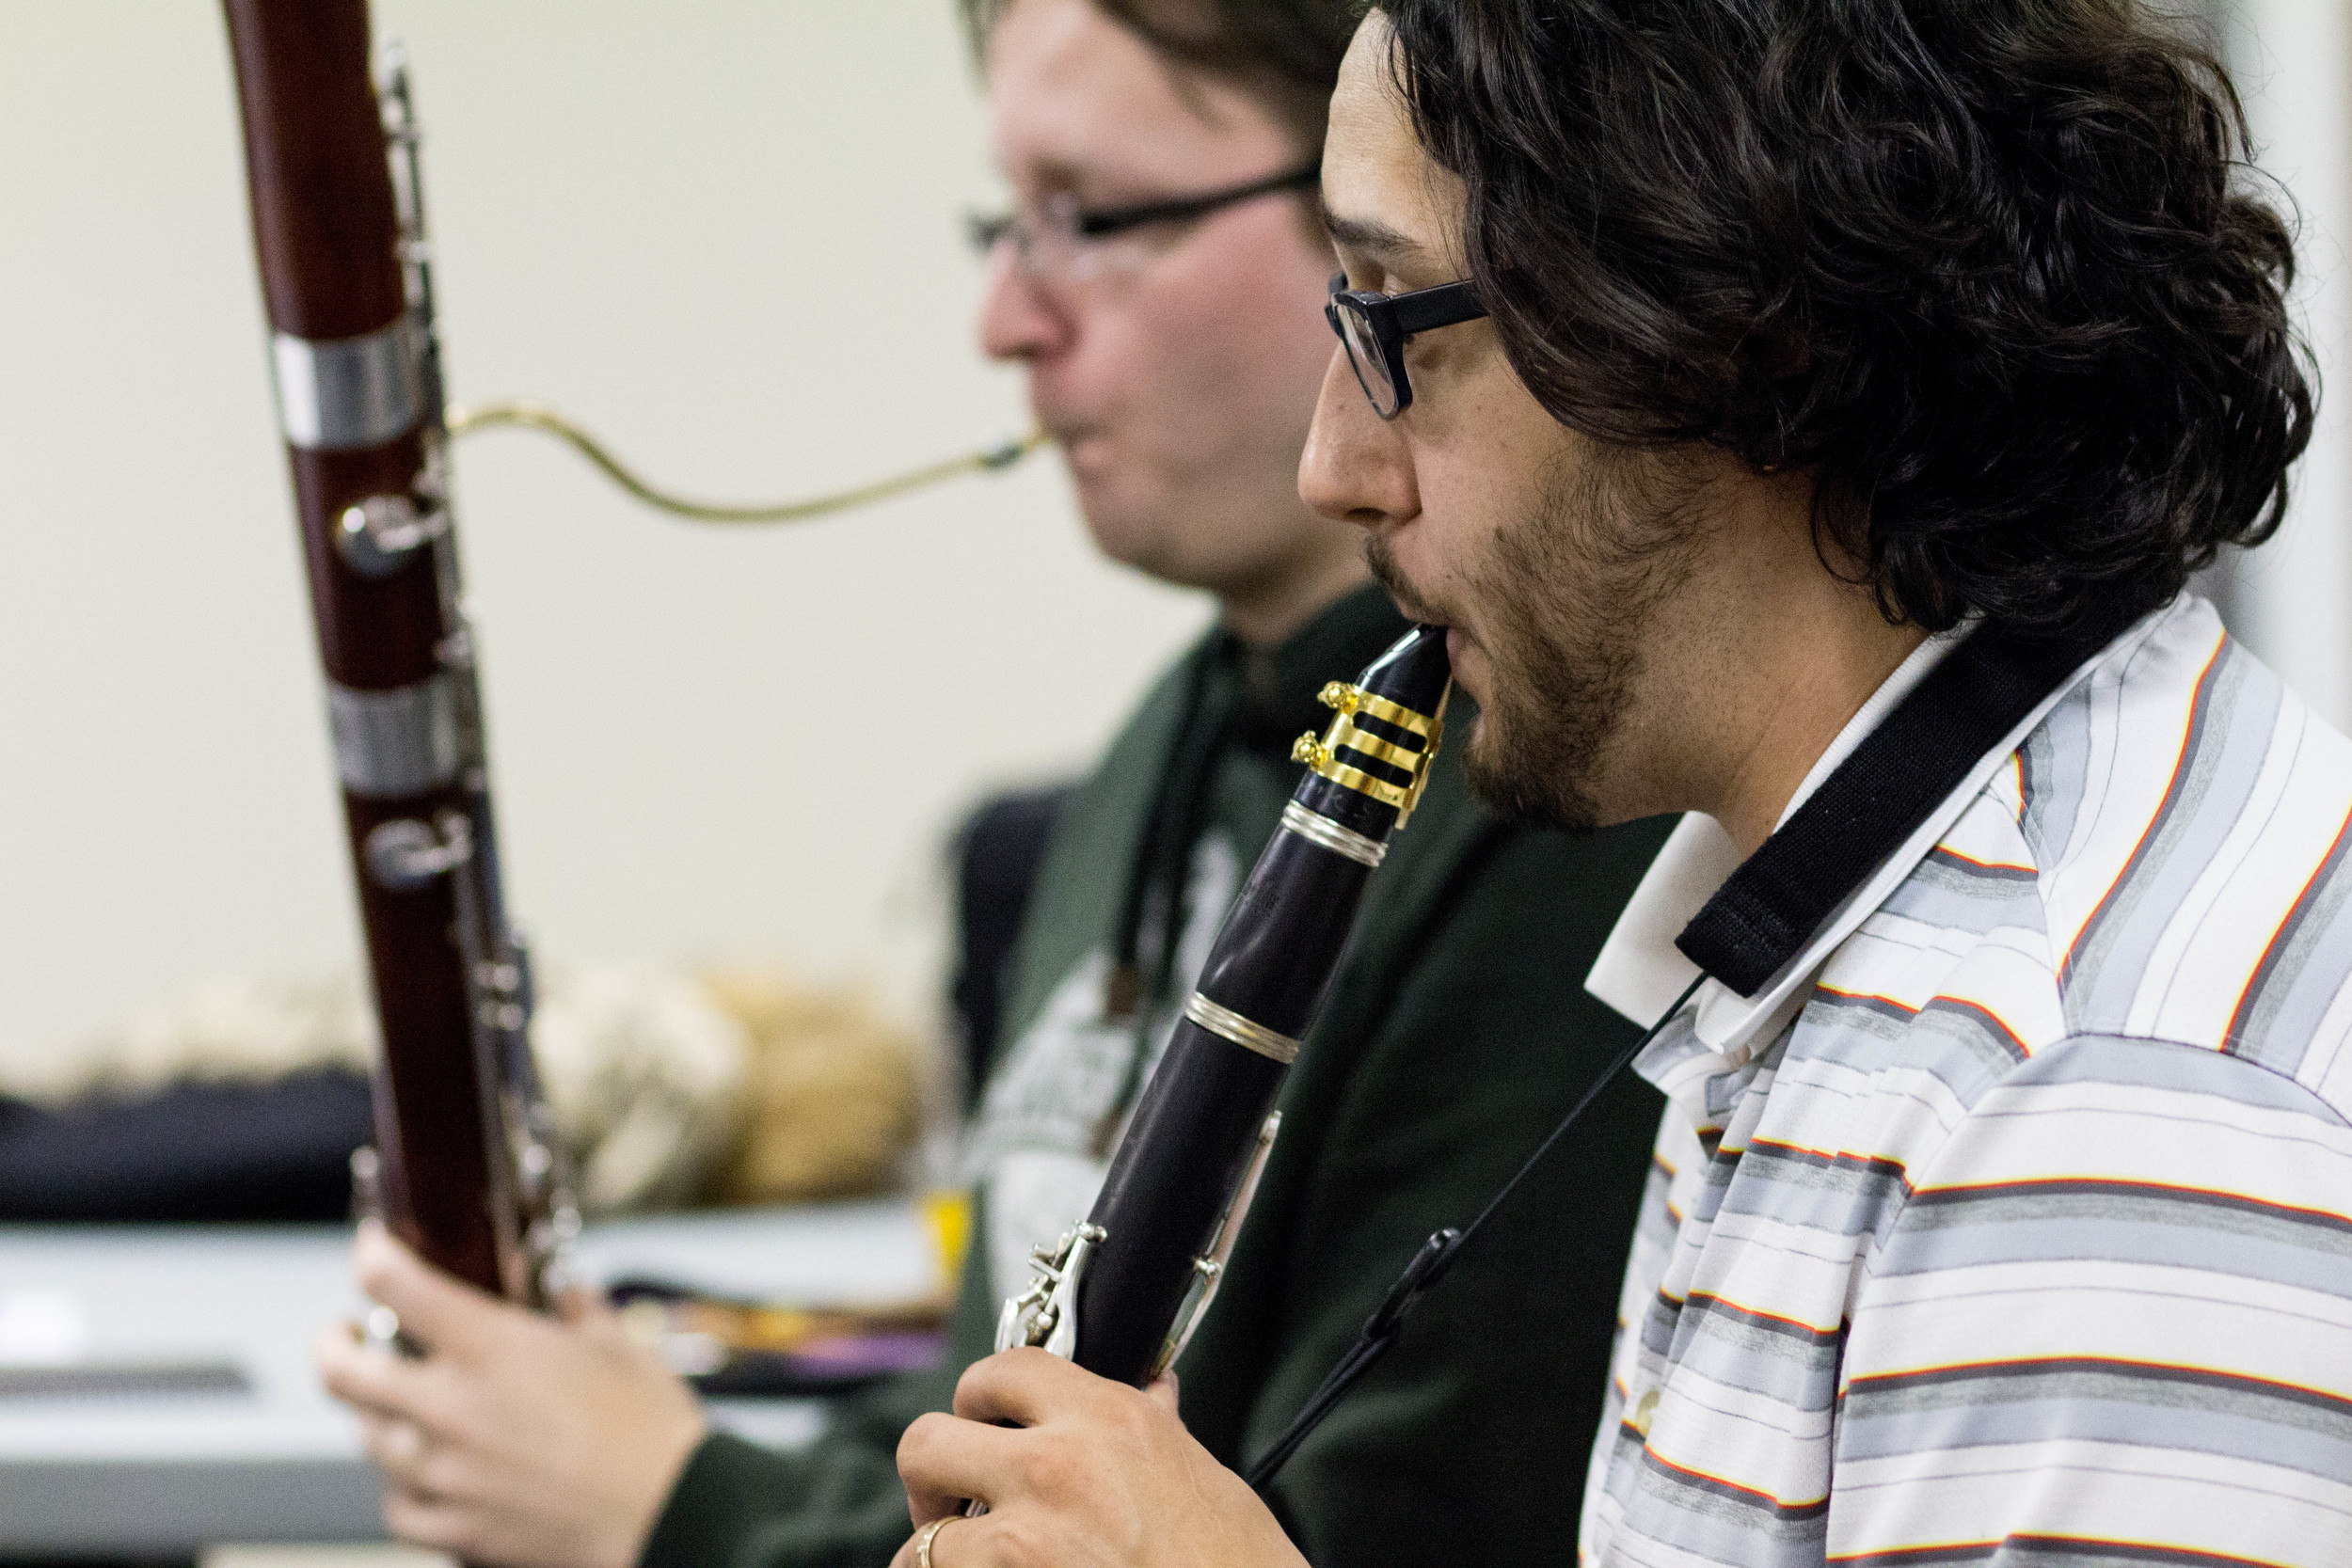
[
  {"x": 1175, "y": 359},
  {"x": 1810, "y": 414}
]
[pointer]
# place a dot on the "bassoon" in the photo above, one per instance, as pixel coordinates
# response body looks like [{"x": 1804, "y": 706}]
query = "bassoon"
[
  {"x": 466, "y": 1167},
  {"x": 1121, "y": 1292}
]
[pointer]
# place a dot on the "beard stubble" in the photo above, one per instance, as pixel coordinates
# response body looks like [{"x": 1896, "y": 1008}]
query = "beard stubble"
[{"x": 1574, "y": 589}]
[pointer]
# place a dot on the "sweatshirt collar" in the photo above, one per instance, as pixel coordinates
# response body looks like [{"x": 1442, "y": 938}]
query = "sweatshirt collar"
[{"x": 1280, "y": 685}]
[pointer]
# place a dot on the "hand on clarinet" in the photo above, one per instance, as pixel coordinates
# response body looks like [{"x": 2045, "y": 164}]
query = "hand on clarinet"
[
  {"x": 1089, "y": 1474},
  {"x": 515, "y": 1439}
]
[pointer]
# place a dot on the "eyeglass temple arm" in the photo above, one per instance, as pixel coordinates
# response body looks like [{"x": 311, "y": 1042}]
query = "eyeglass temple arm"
[
  {"x": 1112, "y": 220},
  {"x": 1424, "y": 310}
]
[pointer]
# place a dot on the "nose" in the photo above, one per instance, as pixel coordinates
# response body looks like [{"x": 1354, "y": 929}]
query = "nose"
[
  {"x": 1354, "y": 467},
  {"x": 1017, "y": 321}
]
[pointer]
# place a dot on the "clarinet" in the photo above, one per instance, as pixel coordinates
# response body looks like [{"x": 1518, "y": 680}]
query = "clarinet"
[
  {"x": 466, "y": 1166},
  {"x": 1121, "y": 1293}
]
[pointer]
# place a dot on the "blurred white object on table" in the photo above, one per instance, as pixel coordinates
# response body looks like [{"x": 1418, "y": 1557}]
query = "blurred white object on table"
[{"x": 156, "y": 1396}]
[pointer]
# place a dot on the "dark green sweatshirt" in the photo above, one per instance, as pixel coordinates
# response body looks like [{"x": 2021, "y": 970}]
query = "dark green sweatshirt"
[{"x": 1457, "y": 1031}]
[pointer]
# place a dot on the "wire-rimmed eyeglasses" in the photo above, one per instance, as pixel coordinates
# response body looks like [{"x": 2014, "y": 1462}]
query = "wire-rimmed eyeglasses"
[
  {"x": 1062, "y": 240},
  {"x": 1377, "y": 326}
]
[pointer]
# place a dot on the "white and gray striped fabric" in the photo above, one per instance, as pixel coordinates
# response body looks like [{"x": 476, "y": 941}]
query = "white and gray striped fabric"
[{"x": 2016, "y": 1226}]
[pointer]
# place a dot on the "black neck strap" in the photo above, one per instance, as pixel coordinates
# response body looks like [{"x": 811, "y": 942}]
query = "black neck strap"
[{"x": 1763, "y": 916}]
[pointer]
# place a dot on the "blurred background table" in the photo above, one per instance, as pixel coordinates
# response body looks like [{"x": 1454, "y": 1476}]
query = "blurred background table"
[{"x": 156, "y": 1396}]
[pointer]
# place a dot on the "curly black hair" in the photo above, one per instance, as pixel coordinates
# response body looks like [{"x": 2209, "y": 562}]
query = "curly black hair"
[
  {"x": 1285, "y": 53},
  {"x": 1995, "y": 272}
]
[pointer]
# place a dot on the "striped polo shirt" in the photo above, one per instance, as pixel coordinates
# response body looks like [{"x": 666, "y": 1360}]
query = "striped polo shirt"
[{"x": 2012, "y": 1221}]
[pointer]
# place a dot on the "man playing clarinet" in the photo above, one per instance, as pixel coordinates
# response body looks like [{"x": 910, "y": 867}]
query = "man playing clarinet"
[
  {"x": 1806, "y": 415},
  {"x": 1161, "y": 279}
]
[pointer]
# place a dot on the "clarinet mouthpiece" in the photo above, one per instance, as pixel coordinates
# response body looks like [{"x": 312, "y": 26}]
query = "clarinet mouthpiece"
[{"x": 1380, "y": 746}]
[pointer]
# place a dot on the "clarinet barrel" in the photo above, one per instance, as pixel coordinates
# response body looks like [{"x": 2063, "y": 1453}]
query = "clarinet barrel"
[
  {"x": 465, "y": 1167},
  {"x": 1121, "y": 1293}
]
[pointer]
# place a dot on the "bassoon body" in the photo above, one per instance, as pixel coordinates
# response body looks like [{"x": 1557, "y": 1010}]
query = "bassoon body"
[
  {"x": 465, "y": 1167},
  {"x": 1121, "y": 1292}
]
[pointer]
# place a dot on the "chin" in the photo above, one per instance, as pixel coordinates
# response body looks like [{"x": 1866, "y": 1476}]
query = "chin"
[
  {"x": 1103, "y": 484},
  {"x": 1131, "y": 536},
  {"x": 1540, "y": 772},
  {"x": 1470, "y": 670}
]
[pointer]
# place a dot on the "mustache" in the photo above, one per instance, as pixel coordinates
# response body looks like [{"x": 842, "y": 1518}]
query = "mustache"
[{"x": 1381, "y": 560}]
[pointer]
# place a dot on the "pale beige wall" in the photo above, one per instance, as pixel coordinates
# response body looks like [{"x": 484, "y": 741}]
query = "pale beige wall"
[
  {"x": 2291, "y": 601},
  {"x": 728, "y": 235}
]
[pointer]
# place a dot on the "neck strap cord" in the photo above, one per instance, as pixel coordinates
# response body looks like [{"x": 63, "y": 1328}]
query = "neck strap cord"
[{"x": 1430, "y": 1265}]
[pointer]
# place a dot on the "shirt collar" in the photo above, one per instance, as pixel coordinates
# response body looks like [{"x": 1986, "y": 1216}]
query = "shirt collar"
[
  {"x": 1705, "y": 1053},
  {"x": 1639, "y": 972},
  {"x": 1891, "y": 691}
]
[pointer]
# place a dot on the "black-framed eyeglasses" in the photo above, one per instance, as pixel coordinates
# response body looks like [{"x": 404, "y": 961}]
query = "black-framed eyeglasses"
[
  {"x": 1059, "y": 238},
  {"x": 1377, "y": 326}
]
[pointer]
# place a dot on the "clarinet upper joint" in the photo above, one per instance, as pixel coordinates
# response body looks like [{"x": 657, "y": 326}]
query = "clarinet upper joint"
[
  {"x": 1046, "y": 1314},
  {"x": 1369, "y": 728},
  {"x": 1208, "y": 1268}
]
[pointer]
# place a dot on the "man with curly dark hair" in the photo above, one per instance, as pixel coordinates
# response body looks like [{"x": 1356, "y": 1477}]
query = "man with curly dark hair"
[
  {"x": 1157, "y": 280},
  {"x": 1806, "y": 415}
]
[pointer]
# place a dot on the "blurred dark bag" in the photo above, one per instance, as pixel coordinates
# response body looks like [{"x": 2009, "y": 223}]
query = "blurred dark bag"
[{"x": 278, "y": 1149}]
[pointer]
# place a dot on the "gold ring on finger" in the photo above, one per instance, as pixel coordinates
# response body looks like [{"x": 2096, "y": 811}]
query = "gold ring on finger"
[{"x": 923, "y": 1540}]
